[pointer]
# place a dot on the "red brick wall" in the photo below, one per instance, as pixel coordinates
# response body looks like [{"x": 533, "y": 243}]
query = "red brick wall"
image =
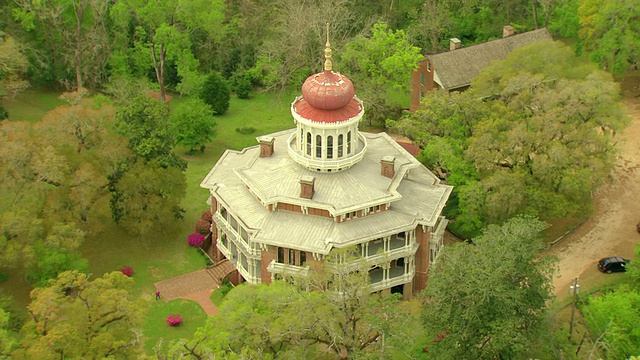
[
  {"x": 422, "y": 259},
  {"x": 289, "y": 207},
  {"x": 417, "y": 85},
  {"x": 266, "y": 257}
]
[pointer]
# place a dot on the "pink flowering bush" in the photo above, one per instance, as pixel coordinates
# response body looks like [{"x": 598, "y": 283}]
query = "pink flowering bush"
[
  {"x": 126, "y": 271},
  {"x": 195, "y": 239},
  {"x": 174, "y": 320}
]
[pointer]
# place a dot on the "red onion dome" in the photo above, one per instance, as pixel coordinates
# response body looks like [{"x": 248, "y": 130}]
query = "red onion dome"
[{"x": 328, "y": 90}]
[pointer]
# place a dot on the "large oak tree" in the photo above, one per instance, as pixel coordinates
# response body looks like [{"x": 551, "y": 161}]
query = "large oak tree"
[{"x": 497, "y": 307}]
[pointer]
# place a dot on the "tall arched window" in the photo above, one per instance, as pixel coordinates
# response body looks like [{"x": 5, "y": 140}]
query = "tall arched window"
[
  {"x": 309, "y": 144},
  {"x": 301, "y": 140},
  {"x": 329, "y": 147},
  {"x": 340, "y": 140},
  {"x": 281, "y": 255},
  {"x": 318, "y": 146},
  {"x": 303, "y": 257},
  {"x": 349, "y": 143}
]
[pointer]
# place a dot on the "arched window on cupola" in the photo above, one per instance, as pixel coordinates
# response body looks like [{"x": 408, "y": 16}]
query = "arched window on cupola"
[
  {"x": 329, "y": 147},
  {"x": 301, "y": 140},
  {"x": 318, "y": 146},
  {"x": 340, "y": 141},
  {"x": 308, "y": 144},
  {"x": 349, "y": 143}
]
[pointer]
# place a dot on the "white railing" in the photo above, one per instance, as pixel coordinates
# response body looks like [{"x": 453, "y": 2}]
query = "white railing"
[
  {"x": 387, "y": 283},
  {"x": 287, "y": 269},
  {"x": 326, "y": 165},
  {"x": 233, "y": 235},
  {"x": 392, "y": 254}
]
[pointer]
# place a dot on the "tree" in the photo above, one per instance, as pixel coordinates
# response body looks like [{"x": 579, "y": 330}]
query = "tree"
[
  {"x": 145, "y": 123},
  {"x": 610, "y": 33},
  {"x": 7, "y": 342},
  {"x": 193, "y": 123},
  {"x": 147, "y": 197},
  {"x": 75, "y": 318},
  {"x": 614, "y": 317},
  {"x": 215, "y": 92},
  {"x": 75, "y": 31},
  {"x": 380, "y": 63},
  {"x": 497, "y": 308},
  {"x": 13, "y": 65},
  {"x": 294, "y": 41},
  {"x": 431, "y": 24},
  {"x": 537, "y": 129},
  {"x": 333, "y": 307},
  {"x": 167, "y": 26}
]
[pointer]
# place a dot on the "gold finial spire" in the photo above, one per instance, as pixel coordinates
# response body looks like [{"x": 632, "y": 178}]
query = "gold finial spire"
[{"x": 328, "y": 66}]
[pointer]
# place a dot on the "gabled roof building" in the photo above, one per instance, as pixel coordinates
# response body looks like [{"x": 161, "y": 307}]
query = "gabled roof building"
[
  {"x": 301, "y": 193},
  {"x": 454, "y": 70}
]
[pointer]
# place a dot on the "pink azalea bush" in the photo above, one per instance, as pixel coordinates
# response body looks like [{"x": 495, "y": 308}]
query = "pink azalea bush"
[
  {"x": 174, "y": 320},
  {"x": 126, "y": 271},
  {"x": 195, "y": 239}
]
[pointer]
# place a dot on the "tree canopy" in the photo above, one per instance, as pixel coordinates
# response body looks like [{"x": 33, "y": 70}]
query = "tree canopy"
[
  {"x": 537, "y": 132},
  {"x": 497, "y": 307},
  {"x": 276, "y": 321},
  {"x": 77, "y": 318}
]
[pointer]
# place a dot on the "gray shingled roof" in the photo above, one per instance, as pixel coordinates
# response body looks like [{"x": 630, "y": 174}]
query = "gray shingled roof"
[
  {"x": 457, "y": 68},
  {"x": 415, "y": 194}
]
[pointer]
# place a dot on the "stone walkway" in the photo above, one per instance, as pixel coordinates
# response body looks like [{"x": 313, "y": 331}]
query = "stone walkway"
[{"x": 196, "y": 286}]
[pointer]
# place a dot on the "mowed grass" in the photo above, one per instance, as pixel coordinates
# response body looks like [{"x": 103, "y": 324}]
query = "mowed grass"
[
  {"x": 32, "y": 105},
  {"x": 156, "y": 327}
]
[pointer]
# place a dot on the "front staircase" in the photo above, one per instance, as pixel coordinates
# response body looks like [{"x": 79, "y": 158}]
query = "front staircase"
[{"x": 220, "y": 270}]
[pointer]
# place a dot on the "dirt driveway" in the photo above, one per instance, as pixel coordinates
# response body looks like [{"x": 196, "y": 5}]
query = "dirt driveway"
[{"x": 611, "y": 230}]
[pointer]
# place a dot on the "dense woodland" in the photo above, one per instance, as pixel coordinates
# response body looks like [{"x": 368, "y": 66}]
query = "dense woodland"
[{"x": 532, "y": 139}]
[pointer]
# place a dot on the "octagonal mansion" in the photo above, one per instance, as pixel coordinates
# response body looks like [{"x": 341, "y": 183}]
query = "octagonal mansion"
[{"x": 324, "y": 185}]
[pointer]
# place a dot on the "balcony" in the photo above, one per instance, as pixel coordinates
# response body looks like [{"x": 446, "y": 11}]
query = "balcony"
[
  {"x": 398, "y": 252},
  {"x": 287, "y": 269},
  {"x": 233, "y": 236},
  {"x": 326, "y": 165},
  {"x": 396, "y": 277}
]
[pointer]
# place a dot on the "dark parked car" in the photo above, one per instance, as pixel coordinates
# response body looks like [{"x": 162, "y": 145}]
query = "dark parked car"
[{"x": 613, "y": 264}]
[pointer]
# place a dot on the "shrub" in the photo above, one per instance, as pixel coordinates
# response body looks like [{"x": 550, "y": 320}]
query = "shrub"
[
  {"x": 4, "y": 114},
  {"x": 241, "y": 84},
  {"x": 195, "y": 239},
  {"x": 246, "y": 130},
  {"x": 207, "y": 215},
  {"x": 203, "y": 227},
  {"x": 126, "y": 271},
  {"x": 174, "y": 320},
  {"x": 215, "y": 92}
]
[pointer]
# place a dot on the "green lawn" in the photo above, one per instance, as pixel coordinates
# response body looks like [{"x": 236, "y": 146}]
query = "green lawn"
[
  {"x": 156, "y": 327},
  {"x": 31, "y": 105}
]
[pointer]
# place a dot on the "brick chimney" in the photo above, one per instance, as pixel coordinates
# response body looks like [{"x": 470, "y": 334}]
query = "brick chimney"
[
  {"x": 507, "y": 31},
  {"x": 266, "y": 145},
  {"x": 454, "y": 44},
  {"x": 307, "y": 187},
  {"x": 387, "y": 166}
]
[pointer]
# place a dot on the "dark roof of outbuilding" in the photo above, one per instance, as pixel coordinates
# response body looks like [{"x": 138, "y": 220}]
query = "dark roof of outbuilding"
[{"x": 457, "y": 68}]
